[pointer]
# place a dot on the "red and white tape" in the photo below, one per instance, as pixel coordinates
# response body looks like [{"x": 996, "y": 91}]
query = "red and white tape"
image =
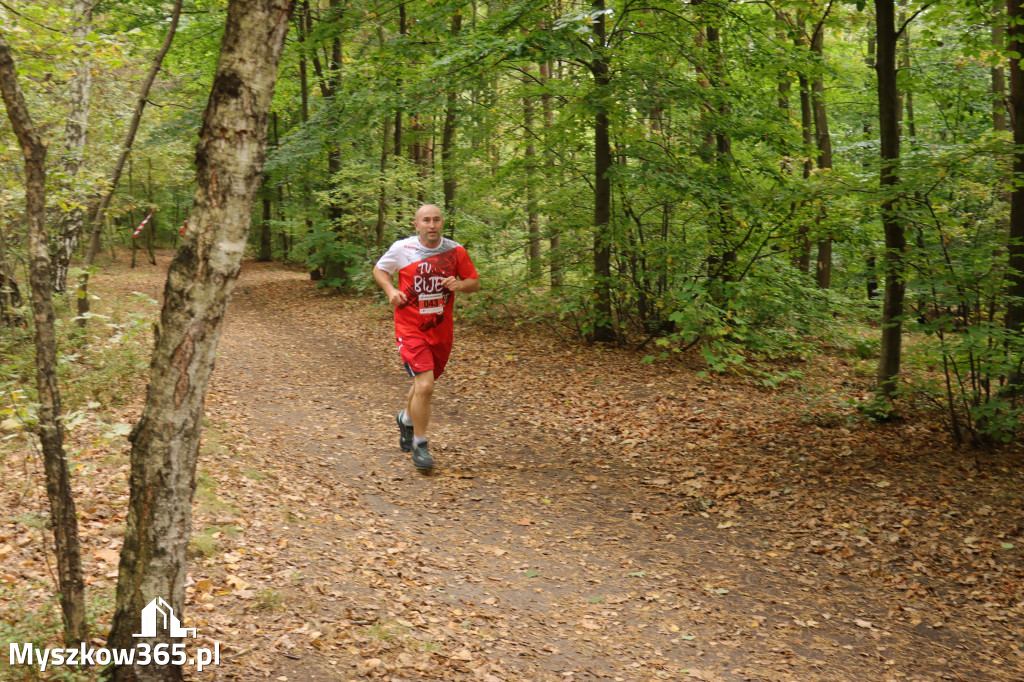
[{"x": 143, "y": 224}]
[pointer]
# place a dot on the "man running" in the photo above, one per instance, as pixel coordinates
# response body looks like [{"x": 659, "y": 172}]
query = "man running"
[{"x": 431, "y": 268}]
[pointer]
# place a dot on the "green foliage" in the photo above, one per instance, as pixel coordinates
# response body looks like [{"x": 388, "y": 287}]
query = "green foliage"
[
  {"x": 966, "y": 372},
  {"x": 97, "y": 364},
  {"x": 712, "y": 210}
]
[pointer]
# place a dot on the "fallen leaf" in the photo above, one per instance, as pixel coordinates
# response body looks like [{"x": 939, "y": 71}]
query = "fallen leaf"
[
  {"x": 111, "y": 556},
  {"x": 236, "y": 583}
]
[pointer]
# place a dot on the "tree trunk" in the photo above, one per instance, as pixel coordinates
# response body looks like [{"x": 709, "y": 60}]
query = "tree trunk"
[
  {"x": 895, "y": 237},
  {"x": 721, "y": 263},
  {"x": 998, "y": 75},
  {"x": 382, "y": 196},
  {"x": 554, "y": 239},
  {"x": 906, "y": 112},
  {"x": 51, "y": 434},
  {"x": 1015, "y": 276},
  {"x": 265, "y": 245},
  {"x": 151, "y": 238},
  {"x": 129, "y": 138},
  {"x": 72, "y": 221},
  {"x": 398, "y": 132},
  {"x": 803, "y": 259},
  {"x": 870, "y": 262},
  {"x": 823, "y": 272},
  {"x": 330, "y": 88},
  {"x": 10, "y": 294},
  {"x": 151, "y": 221},
  {"x": 604, "y": 329},
  {"x": 532, "y": 216},
  {"x": 303, "y": 24},
  {"x": 165, "y": 441},
  {"x": 448, "y": 142}
]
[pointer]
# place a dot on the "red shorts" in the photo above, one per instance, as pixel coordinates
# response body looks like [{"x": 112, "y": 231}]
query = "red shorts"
[{"x": 420, "y": 356}]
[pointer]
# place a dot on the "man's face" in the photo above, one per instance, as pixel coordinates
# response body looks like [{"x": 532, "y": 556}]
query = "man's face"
[{"x": 428, "y": 224}]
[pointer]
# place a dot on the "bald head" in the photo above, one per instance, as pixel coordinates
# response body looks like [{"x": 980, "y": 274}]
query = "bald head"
[
  {"x": 427, "y": 208},
  {"x": 428, "y": 223}
]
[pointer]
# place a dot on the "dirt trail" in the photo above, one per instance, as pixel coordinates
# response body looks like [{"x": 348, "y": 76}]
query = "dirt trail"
[{"x": 527, "y": 555}]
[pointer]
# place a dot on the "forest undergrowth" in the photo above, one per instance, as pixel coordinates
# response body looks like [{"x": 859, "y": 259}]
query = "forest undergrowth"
[{"x": 592, "y": 516}]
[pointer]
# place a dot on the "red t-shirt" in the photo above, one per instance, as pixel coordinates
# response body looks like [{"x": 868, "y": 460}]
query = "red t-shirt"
[{"x": 427, "y": 312}]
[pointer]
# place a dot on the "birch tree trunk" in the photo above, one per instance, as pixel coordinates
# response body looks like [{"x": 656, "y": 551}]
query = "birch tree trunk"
[
  {"x": 165, "y": 441},
  {"x": 51, "y": 434},
  {"x": 72, "y": 222}
]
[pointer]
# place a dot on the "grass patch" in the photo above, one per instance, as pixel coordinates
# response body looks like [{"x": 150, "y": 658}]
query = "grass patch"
[
  {"x": 255, "y": 474},
  {"x": 268, "y": 600},
  {"x": 206, "y": 543},
  {"x": 207, "y": 499}
]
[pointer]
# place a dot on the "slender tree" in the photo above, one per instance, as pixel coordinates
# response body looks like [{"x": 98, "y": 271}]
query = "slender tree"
[
  {"x": 51, "y": 433},
  {"x": 600, "y": 67},
  {"x": 448, "y": 142},
  {"x": 823, "y": 138},
  {"x": 72, "y": 221},
  {"x": 99, "y": 215},
  {"x": 895, "y": 237}
]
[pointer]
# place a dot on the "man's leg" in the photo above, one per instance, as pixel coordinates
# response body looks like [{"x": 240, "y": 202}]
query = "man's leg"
[{"x": 418, "y": 403}]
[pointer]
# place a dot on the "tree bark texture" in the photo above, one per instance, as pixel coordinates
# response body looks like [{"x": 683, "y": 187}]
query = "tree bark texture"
[
  {"x": 532, "y": 215},
  {"x": 1015, "y": 276},
  {"x": 450, "y": 182},
  {"x": 554, "y": 238},
  {"x": 823, "y": 138},
  {"x": 895, "y": 237},
  {"x": 72, "y": 221},
  {"x": 165, "y": 441},
  {"x": 51, "y": 434},
  {"x": 129, "y": 138},
  {"x": 10, "y": 294},
  {"x": 998, "y": 74},
  {"x": 382, "y": 193},
  {"x": 604, "y": 330},
  {"x": 803, "y": 258}
]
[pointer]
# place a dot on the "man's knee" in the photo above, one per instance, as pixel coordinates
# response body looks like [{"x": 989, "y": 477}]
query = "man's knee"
[{"x": 423, "y": 384}]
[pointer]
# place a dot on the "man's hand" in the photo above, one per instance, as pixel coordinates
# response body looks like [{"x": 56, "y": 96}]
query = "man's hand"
[
  {"x": 383, "y": 279},
  {"x": 465, "y": 285},
  {"x": 397, "y": 298}
]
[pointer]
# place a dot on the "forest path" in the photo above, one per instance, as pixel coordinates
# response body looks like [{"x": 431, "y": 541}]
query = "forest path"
[{"x": 589, "y": 518}]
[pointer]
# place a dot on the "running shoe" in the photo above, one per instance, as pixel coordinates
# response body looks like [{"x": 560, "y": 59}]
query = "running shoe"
[
  {"x": 421, "y": 457},
  {"x": 404, "y": 433}
]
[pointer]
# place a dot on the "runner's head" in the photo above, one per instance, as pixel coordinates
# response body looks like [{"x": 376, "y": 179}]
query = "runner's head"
[{"x": 428, "y": 223}]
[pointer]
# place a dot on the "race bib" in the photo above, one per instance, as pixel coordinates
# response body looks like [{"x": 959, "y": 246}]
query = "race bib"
[{"x": 431, "y": 304}]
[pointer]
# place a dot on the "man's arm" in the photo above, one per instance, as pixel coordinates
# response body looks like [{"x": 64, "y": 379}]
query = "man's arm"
[{"x": 383, "y": 279}]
